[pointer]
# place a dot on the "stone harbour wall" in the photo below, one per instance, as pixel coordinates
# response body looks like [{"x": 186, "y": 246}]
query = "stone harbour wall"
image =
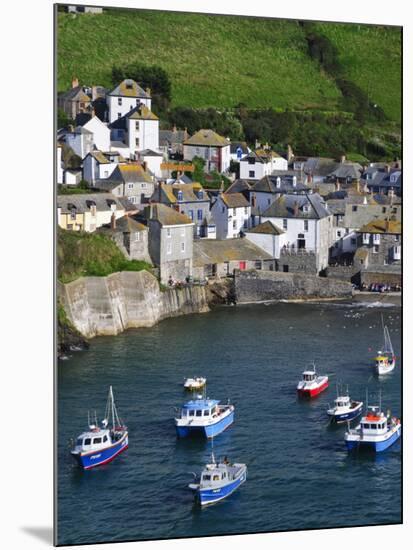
[
  {"x": 261, "y": 286},
  {"x": 109, "y": 305}
]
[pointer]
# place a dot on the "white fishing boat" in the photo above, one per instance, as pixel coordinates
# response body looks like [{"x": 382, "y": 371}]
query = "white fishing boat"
[
  {"x": 385, "y": 360},
  {"x": 344, "y": 408},
  {"x": 195, "y": 383}
]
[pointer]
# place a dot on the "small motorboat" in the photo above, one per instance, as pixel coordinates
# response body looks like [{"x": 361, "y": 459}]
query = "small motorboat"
[
  {"x": 344, "y": 408},
  {"x": 375, "y": 432},
  {"x": 311, "y": 384},
  {"x": 101, "y": 445},
  {"x": 204, "y": 416},
  {"x": 218, "y": 480},
  {"x": 385, "y": 360},
  {"x": 193, "y": 384}
]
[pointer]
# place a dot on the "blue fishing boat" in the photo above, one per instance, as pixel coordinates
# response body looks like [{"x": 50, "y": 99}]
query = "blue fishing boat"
[
  {"x": 100, "y": 445},
  {"x": 218, "y": 480},
  {"x": 204, "y": 416},
  {"x": 344, "y": 408},
  {"x": 376, "y": 431}
]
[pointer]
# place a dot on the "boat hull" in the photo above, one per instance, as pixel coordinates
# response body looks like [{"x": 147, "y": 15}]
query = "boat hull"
[
  {"x": 210, "y": 496},
  {"x": 385, "y": 369},
  {"x": 346, "y": 417},
  {"x": 313, "y": 392},
  {"x": 102, "y": 456},
  {"x": 376, "y": 446},
  {"x": 209, "y": 431}
]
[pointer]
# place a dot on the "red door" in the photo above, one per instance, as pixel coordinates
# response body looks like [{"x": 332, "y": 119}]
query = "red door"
[{"x": 243, "y": 265}]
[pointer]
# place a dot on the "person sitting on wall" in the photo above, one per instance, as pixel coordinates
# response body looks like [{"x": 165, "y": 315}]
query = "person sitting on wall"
[{"x": 170, "y": 281}]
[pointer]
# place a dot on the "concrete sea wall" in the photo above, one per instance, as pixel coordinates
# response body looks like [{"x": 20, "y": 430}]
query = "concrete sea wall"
[
  {"x": 109, "y": 305},
  {"x": 259, "y": 286}
]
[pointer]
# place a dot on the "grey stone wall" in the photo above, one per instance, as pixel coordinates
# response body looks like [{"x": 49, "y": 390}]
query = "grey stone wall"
[
  {"x": 298, "y": 261},
  {"x": 109, "y": 305},
  {"x": 343, "y": 272},
  {"x": 257, "y": 286}
]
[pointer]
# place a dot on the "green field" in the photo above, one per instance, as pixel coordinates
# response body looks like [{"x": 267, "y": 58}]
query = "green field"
[{"x": 220, "y": 61}]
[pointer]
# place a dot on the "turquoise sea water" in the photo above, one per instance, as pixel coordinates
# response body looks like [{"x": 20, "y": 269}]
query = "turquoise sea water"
[{"x": 300, "y": 474}]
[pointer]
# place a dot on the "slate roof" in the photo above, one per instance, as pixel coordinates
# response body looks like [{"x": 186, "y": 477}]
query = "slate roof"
[
  {"x": 253, "y": 156},
  {"x": 207, "y": 138},
  {"x": 212, "y": 251},
  {"x": 382, "y": 179},
  {"x": 130, "y": 173},
  {"x": 240, "y": 186},
  {"x": 82, "y": 203},
  {"x": 189, "y": 192},
  {"x": 381, "y": 227},
  {"x": 141, "y": 112},
  {"x": 284, "y": 207},
  {"x": 267, "y": 228},
  {"x": 268, "y": 184},
  {"x": 75, "y": 94},
  {"x": 320, "y": 166},
  {"x": 347, "y": 169},
  {"x": 149, "y": 153},
  {"x": 169, "y": 137},
  {"x": 125, "y": 224},
  {"x": 129, "y": 88},
  {"x": 166, "y": 215},
  {"x": 234, "y": 200}
]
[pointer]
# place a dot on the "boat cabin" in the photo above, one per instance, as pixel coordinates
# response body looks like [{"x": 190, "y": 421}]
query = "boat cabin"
[
  {"x": 200, "y": 408},
  {"x": 93, "y": 441},
  {"x": 214, "y": 474},
  {"x": 382, "y": 360},
  {"x": 309, "y": 376},
  {"x": 342, "y": 401},
  {"x": 374, "y": 422}
]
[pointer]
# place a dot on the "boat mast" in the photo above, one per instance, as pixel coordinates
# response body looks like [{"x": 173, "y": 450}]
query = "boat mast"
[{"x": 112, "y": 405}]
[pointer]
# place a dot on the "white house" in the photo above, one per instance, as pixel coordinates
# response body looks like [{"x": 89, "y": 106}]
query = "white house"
[
  {"x": 231, "y": 214},
  {"x": 101, "y": 133},
  {"x": 306, "y": 222},
  {"x": 210, "y": 146},
  {"x": 143, "y": 129},
  {"x": 261, "y": 163},
  {"x": 267, "y": 236},
  {"x": 267, "y": 190},
  {"x": 80, "y": 140},
  {"x": 152, "y": 161},
  {"x": 59, "y": 165},
  {"x": 125, "y": 97},
  {"x": 100, "y": 165}
]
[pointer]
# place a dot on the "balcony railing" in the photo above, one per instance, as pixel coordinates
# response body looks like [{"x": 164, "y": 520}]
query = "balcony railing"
[{"x": 289, "y": 251}]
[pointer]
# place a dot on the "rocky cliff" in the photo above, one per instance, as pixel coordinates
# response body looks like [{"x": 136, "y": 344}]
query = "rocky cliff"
[
  {"x": 259, "y": 286},
  {"x": 109, "y": 305}
]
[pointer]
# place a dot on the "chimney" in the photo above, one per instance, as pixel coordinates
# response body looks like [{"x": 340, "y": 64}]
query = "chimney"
[
  {"x": 338, "y": 186},
  {"x": 94, "y": 93},
  {"x": 294, "y": 181},
  {"x": 148, "y": 91},
  {"x": 185, "y": 133},
  {"x": 221, "y": 189},
  {"x": 387, "y": 168},
  {"x": 391, "y": 195},
  {"x": 174, "y": 129},
  {"x": 343, "y": 159},
  {"x": 358, "y": 185},
  {"x": 387, "y": 225},
  {"x": 75, "y": 82},
  {"x": 113, "y": 221},
  {"x": 295, "y": 208}
]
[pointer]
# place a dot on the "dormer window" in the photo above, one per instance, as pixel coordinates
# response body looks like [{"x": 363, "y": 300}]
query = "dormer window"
[
  {"x": 305, "y": 208},
  {"x": 200, "y": 195},
  {"x": 129, "y": 86},
  {"x": 180, "y": 196},
  {"x": 278, "y": 184}
]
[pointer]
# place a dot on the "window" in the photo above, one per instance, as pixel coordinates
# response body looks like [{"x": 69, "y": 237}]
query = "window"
[
  {"x": 130, "y": 185},
  {"x": 206, "y": 412},
  {"x": 69, "y": 226},
  {"x": 268, "y": 202},
  {"x": 199, "y": 413},
  {"x": 73, "y": 214},
  {"x": 169, "y": 248},
  {"x": 375, "y": 248},
  {"x": 79, "y": 441},
  {"x": 137, "y": 142},
  {"x": 137, "y": 125},
  {"x": 338, "y": 234},
  {"x": 119, "y": 101},
  {"x": 144, "y": 186},
  {"x": 87, "y": 441},
  {"x": 97, "y": 440},
  {"x": 251, "y": 174},
  {"x": 119, "y": 115},
  {"x": 180, "y": 196},
  {"x": 353, "y": 242},
  {"x": 168, "y": 232},
  {"x": 105, "y": 438},
  {"x": 191, "y": 413},
  {"x": 258, "y": 264},
  {"x": 200, "y": 195},
  {"x": 183, "y": 246},
  {"x": 133, "y": 200},
  {"x": 354, "y": 208},
  {"x": 207, "y": 477},
  {"x": 223, "y": 209},
  {"x": 376, "y": 238},
  {"x": 137, "y": 236},
  {"x": 234, "y": 224},
  {"x": 285, "y": 224},
  {"x": 199, "y": 214},
  {"x": 191, "y": 214},
  {"x": 305, "y": 225},
  {"x": 251, "y": 160},
  {"x": 383, "y": 209}
]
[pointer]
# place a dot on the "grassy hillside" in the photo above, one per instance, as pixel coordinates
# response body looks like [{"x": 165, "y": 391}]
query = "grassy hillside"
[
  {"x": 90, "y": 254},
  {"x": 221, "y": 61},
  {"x": 371, "y": 58}
]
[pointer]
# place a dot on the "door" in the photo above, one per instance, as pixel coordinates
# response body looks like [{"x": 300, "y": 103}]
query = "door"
[{"x": 243, "y": 266}]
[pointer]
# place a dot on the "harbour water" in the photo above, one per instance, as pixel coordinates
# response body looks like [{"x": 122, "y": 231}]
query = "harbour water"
[{"x": 300, "y": 475}]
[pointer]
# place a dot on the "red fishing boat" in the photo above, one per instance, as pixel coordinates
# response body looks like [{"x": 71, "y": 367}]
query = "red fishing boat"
[{"x": 311, "y": 383}]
